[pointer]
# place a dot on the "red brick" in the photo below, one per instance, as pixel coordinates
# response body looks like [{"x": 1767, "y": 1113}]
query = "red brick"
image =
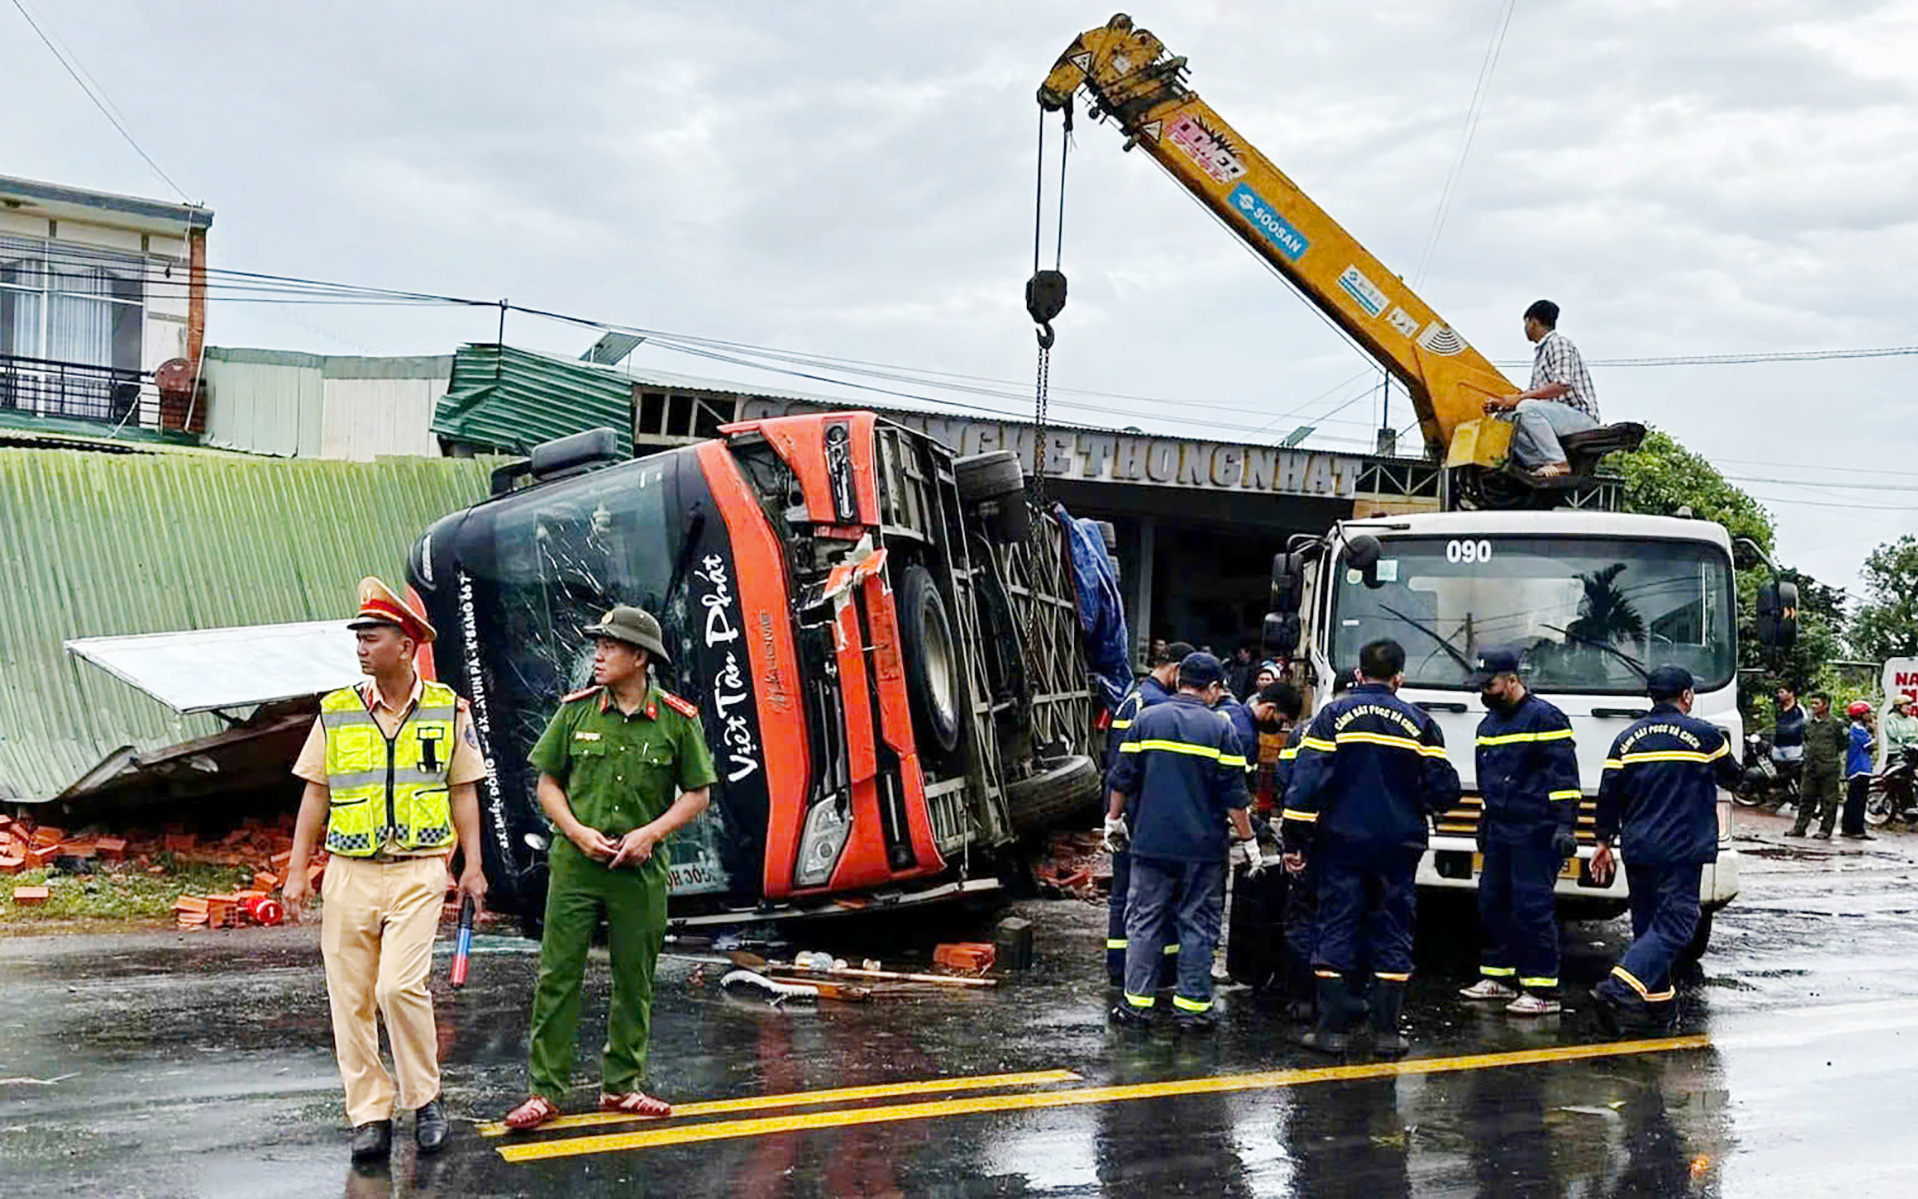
[
  {"x": 966, "y": 955},
  {"x": 48, "y": 835},
  {"x": 113, "y": 849},
  {"x": 28, "y": 897},
  {"x": 13, "y": 863}
]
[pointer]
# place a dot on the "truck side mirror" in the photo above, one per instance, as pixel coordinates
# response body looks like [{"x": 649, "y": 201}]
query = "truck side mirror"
[
  {"x": 1288, "y": 583},
  {"x": 1362, "y": 554},
  {"x": 1777, "y": 614},
  {"x": 1280, "y": 637}
]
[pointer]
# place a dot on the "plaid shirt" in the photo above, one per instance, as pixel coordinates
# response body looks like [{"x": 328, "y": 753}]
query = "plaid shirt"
[{"x": 1556, "y": 360}]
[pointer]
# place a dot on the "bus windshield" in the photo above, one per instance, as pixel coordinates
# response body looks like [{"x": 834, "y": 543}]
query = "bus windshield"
[{"x": 1586, "y": 614}]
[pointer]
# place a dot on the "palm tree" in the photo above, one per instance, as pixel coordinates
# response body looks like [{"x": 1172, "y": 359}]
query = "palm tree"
[{"x": 1605, "y": 616}]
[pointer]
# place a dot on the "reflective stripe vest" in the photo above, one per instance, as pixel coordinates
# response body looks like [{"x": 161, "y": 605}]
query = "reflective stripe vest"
[{"x": 388, "y": 790}]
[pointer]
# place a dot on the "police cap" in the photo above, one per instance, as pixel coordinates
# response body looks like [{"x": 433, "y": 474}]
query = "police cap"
[
  {"x": 632, "y": 626},
  {"x": 1200, "y": 670},
  {"x": 1668, "y": 682},
  {"x": 1498, "y": 660}
]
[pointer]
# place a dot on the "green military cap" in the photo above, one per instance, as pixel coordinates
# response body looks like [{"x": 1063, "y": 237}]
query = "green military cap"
[{"x": 634, "y": 626}]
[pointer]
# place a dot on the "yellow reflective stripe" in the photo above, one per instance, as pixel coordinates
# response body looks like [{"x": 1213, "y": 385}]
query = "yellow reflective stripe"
[
  {"x": 1386, "y": 739},
  {"x": 1233, "y": 760},
  {"x": 1122, "y": 724},
  {"x": 1115, "y": 942},
  {"x": 1182, "y": 747},
  {"x": 1668, "y": 994},
  {"x": 1314, "y": 743},
  {"x": 1666, "y": 755},
  {"x": 1537, "y": 983},
  {"x": 1564, "y": 734},
  {"x": 1497, "y": 971},
  {"x": 1573, "y": 793},
  {"x": 1288, "y": 753},
  {"x": 1614, "y": 764},
  {"x": 1328, "y": 974},
  {"x": 1432, "y": 751},
  {"x": 1392, "y": 978},
  {"x": 1138, "y": 1001},
  {"x": 1191, "y": 1005},
  {"x": 1631, "y": 982},
  {"x": 1170, "y": 949},
  {"x": 1515, "y": 738},
  {"x": 1301, "y": 817},
  {"x": 1724, "y": 747}
]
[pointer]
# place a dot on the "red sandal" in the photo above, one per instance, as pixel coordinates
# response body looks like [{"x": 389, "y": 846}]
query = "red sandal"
[
  {"x": 636, "y": 1103},
  {"x": 530, "y": 1115}
]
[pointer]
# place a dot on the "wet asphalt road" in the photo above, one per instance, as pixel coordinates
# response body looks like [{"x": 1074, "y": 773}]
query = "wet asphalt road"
[{"x": 200, "y": 1065}]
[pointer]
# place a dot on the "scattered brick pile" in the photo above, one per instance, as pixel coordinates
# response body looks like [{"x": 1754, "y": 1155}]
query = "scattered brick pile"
[{"x": 1074, "y": 864}]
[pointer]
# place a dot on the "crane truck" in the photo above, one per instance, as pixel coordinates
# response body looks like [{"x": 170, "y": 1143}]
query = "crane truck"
[
  {"x": 1592, "y": 600},
  {"x": 884, "y": 642}
]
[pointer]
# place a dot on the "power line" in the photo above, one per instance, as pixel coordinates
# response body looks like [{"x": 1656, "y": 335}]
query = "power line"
[
  {"x": 1472, "y": 112},
  {"x": 98, "y": 102},
  {"x": 1742, "y": 359},
  {"x": 1770, "y": 499}
]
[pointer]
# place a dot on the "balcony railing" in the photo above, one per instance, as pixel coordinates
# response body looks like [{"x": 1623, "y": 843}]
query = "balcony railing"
[{"x": 77, "y": 391}]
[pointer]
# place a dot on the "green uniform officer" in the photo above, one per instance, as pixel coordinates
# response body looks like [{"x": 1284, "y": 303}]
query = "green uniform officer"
[{"x": 610, "y": 763}]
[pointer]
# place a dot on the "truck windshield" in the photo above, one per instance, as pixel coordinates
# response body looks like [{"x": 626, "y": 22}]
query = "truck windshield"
[
  {"x": 1589, "y": 614},
  {"x": 546, "y": 564}
]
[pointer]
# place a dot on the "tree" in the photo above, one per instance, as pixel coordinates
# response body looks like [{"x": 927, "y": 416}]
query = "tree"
[
  {"x": 1886, "y": 625},
  {"x": 1606, "y": 616},
  {"x": 1662, "y": 476}
]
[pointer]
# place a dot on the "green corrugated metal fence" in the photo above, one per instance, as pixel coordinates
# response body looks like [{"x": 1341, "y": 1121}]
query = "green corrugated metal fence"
[
  {"x": 95, "y": 544},
  {"x": 513, "y": 401}
]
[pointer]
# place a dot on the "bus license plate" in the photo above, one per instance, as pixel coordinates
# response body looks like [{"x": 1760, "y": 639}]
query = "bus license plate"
[{"x": 1568, "y": 870}]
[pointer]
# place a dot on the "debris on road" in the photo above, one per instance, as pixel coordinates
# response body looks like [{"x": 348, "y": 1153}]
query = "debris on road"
[
  {"x": 30, "y": 896},
  {"x": 1074, "y": 865},
  {"x": 775, "y": 993},
  {"x": 975, "y": 956}
]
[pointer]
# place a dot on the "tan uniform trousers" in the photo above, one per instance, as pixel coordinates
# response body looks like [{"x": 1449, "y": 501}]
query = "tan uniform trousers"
[{"x": 376, "y": 934}]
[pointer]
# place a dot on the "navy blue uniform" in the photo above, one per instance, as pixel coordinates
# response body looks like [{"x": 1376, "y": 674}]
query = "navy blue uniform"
[
  {"x": 1528, "y": 779},
  {"x": 1661, "y": 785},
  {"x": 1182, "y": 771},
  {"x": 1144, "y": 694},
  {"x": 1301, "y": 893},
  {"x": 1371, "y": 772}
]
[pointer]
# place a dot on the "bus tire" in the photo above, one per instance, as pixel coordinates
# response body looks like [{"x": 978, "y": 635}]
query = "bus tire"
[
  {"x": 934, "y": 671},
  {"x": 989, "y": 476},
  {"x": 1064, "y": 788}
]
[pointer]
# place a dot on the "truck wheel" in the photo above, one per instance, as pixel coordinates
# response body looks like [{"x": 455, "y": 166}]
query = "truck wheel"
[
  {"x": 1701, "y": 937},
  {"x": 934, "y": 677},
  {"x": 989, "y": 476},
  {"x": 1008, "y": 518},
  {"x": 1067, "y": 787}
]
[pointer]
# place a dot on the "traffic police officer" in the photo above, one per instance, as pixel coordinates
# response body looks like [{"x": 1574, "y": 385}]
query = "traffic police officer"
[
  {"x": 1180, "y": 778},
  {"x": 609, "y": 765},
  {"x": 1528, "y": 779},
  {"x": 1371, "y": 772},
  {"x": 1157, "y": 686},
  {"x": 1660, "y": 784},
  {"x": 390, "y": 769}
]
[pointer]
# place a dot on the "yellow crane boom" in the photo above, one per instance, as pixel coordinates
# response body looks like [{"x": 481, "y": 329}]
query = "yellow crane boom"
[{"x": 1131, "y": 80}]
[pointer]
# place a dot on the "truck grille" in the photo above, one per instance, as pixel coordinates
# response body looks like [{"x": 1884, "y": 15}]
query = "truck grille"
[{"x": 1462, "y": 821}]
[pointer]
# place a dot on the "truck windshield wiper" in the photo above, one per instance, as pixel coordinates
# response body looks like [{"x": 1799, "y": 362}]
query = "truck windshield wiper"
[
  {"x": 1464, "y": 662},
  {"x": 1620, "y": 654}
]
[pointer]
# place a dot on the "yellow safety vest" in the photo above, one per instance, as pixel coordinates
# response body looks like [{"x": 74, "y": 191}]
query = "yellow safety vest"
[{"x": 388, "y": 790}]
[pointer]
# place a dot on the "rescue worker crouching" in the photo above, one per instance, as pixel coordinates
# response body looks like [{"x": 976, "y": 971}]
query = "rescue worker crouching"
[
  {"x": 1659, "y": 793},
  {"x": 1528, "y": 780},
  {"x": 1180, "y": 776},
  {"x": 1370, "y": 774},
  {"x": 1158, "y": 685}
]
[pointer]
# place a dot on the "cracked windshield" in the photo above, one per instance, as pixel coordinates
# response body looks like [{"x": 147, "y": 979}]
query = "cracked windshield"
[{"x": 1588, "y": 614}]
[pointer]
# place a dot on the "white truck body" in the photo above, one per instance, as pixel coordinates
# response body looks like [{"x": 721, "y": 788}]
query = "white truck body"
[{"x": 1650, "y": 589}]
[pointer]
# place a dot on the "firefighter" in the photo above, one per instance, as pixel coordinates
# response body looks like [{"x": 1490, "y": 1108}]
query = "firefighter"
[
  {"x": 1157, "y": 686},
  {"x": 1370, "y": 774},
  {"x": 1528, "y": 778},
  {"x": 1180, "y": 777},
  {"x": 1659, "y": 791}
]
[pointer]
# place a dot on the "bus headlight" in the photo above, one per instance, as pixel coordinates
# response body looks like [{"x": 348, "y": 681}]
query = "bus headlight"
[{"x": 820, "y": 843}]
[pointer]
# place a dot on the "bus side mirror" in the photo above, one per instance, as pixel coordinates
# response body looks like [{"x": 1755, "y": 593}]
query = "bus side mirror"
[
  {"x": 1777, "y": 614},
  {"x": 1280, "y": 637},
  {"x": 1362, "y": 554},
  {"x": 1288, "y": 583}
]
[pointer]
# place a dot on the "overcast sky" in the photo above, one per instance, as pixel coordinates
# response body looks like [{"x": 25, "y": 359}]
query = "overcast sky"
[{"x": 1685, "y": 177}]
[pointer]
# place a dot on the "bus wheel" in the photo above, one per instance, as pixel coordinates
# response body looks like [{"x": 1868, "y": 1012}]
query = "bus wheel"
[
  {"x": 934, "y": 670},
  {"x": 1065, "y": 787}
]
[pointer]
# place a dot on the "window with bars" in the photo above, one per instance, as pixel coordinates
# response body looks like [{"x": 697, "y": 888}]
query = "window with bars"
[{"x": 72, "y": 321}]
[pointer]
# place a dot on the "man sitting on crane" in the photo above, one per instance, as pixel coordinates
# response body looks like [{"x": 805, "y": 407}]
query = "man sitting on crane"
[{"x": 1561, "y": 399}]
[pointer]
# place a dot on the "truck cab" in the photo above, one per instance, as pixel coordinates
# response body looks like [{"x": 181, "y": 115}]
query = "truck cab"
[
  {"x": 1590, "y": 600},
  {"x": 884, "y": 643}
]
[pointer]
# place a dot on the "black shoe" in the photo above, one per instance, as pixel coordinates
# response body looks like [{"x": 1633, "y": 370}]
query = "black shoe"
[
  {"x": 1328, "y": 1035},
  {"x": 373, "y": 1141},
  {"x": 429, "y": 1126},
  {"x": 1821, "y": 835},
  {"x": 1794, "y": 832},
  {"x": 1195, "y": 1022},
  {"x": 1300, "y": 1011},
  {"x": 1127, "y": 1016},
  {"x": 1606, "y": 1009},
  {"x": 1387, "y": 1041},
  {"x": 1859, "y": 836}
]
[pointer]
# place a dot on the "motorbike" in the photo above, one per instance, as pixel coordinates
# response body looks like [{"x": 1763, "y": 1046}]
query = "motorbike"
[
  {"x": 1894, "y": 793},
  {"x": 1764, "y": 783}
]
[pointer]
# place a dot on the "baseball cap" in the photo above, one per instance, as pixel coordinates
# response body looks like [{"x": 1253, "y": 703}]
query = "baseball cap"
[
  {"x": 1177, "y": 651},
  {"x": 1200, "y": 670},
  {"x": 1668, "y": 682},
  {"x": 1500, "y": 659}
]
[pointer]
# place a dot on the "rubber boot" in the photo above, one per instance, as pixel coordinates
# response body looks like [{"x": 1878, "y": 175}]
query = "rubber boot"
[
  {"x": 1387, "y": 999},
  {"x": 1328, "y": 1035},
  {"x": 1299, "y": 985}
]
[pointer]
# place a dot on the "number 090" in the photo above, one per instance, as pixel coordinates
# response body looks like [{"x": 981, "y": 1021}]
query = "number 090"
[{"x": 1468, "y": 551}]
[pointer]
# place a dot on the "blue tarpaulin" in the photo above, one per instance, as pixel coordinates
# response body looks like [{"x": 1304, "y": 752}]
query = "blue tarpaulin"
[{"x": 1101, "y": 607}]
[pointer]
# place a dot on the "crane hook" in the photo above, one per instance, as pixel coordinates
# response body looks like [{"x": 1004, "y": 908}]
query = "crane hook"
[{"x": 1045, "y": 299}]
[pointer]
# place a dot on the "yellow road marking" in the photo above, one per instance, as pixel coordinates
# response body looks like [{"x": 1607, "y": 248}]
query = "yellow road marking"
[
  {"x": 890, "y": 1090},
  {"x": 679, "y": 1134}
]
